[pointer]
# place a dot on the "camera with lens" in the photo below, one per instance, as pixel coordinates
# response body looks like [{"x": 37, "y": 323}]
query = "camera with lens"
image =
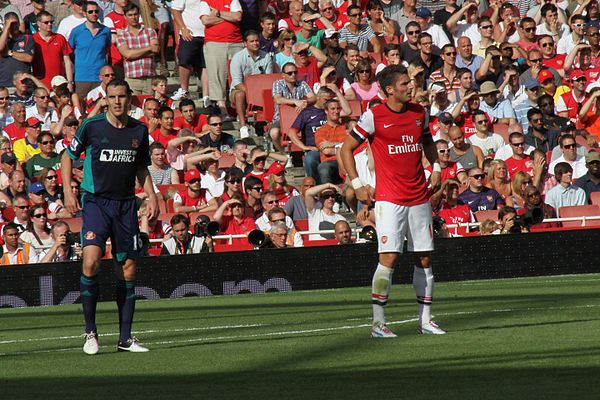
[
  {"x": 205, "y": 227},
  {"x": 368, "y": 233},
  {"x": 259, "y": 239},
  {"x": 72, "y": 238},
  {"x": 437, "y": 225},
  {"x": 532, "y": 217}
]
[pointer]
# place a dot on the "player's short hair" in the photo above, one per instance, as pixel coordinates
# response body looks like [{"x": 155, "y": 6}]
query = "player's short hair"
[
  {"x": 163, "y": 110},
  {"x": 118, "y": 82},
  {"x": 179, "y": 218},
  {"x": 389, "y": 75}
]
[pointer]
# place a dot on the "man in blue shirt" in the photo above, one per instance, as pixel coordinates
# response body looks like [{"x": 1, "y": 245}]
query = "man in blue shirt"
[
  {"x": 116, "y": 148},
  {"x": 479, "y": 197},
  {"x": 91, "y": 43}
]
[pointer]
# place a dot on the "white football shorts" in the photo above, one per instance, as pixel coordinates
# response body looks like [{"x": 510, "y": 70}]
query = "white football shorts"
[{"x": 394, "y": 223}]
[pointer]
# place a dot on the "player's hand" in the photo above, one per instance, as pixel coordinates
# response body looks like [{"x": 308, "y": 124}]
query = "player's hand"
[
  {"x": 71, "y": 202},
  {"x": 363, "y": 195},
  {"x": 152, "y": 206}
]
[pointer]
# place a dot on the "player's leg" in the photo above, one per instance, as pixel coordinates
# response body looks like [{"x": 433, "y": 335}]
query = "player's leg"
[
  {"x": 420, "y": 241},
  {"x": 127, "y": 248},
  {"x": 389, "y": 219},
  {"x": 94, "y": 233}
]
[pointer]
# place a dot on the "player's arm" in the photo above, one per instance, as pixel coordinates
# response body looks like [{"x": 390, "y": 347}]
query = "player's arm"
[
  {"x": 430, "y": 152},
  {"x": 144, "y": 176},
  {"x": 66, "y": 168}
]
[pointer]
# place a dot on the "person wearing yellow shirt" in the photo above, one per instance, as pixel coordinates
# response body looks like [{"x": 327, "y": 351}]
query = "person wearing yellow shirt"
[{"x": 27, "y": 147}]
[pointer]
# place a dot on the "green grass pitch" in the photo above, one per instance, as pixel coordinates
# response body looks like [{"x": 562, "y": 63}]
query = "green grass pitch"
[{"x": 527, "y": 338}]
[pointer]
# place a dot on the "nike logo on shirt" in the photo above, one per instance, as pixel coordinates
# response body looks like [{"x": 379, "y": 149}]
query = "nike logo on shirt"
[{"x": 387, "y": 125}]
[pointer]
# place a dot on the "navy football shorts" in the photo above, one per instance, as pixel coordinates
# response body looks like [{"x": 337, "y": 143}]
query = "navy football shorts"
[{"x": 115, "y": 219}]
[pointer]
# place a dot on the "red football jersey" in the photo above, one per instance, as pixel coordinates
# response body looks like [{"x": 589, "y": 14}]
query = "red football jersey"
[
  {"x": 14, "y": 133},
  {"x": 513, "y": 166},
  {"x": 456, "y": 215},
  {"x": 196, "y": 126},
  {"x": 395, "y": 139}
]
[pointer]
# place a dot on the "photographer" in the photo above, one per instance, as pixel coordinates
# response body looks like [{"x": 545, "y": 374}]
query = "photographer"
[
  {"x": 64, "y": 248},
  {"x": 183, "y": 242},
  {"x": 507, "y": 216}
]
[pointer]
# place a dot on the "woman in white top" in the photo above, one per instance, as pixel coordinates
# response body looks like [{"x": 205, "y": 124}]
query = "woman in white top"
[{"x": 38, "y": 231}]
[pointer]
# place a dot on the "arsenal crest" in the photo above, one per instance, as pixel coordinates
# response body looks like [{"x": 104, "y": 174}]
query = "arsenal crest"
[
  {"x": 384, "y": 239},
  {"x": 418, "y": 122},
  {"x": 90, "y": 235}
]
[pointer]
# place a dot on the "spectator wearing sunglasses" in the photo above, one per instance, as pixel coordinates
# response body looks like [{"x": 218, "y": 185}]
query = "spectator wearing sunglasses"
[
  {"x": 216, "y": 138},
  {"x": 232, "y": 218},
  {"x": 277, "y": 216},
  {"x": 359, "y": 34},
  {"x": 479, "y": 197},
  {"x": 270, "y": 203},
  {"x": 42, "y": 111},
  {"x": 253, "y": 189},
  {"x": 409, "y": 49},
  {"x": 569, "y": 40},
  {"x": 8, "y": 164},
  {"x": 28, "y": 146},
  {"x": 47, "y": 158},
  {"x": 49, "y": 178},
  {"x": 323, "y": 218},
  {"x": 233, "y": 183},
  {"x": 37, "y": 234},
  {"x": 568, "y": 147},
  {"x": 21, "y": 206},
  {"x": 538, "y": 135},
  {"x": 68, "y": 133},
  {"x": 91, "y": 42}
]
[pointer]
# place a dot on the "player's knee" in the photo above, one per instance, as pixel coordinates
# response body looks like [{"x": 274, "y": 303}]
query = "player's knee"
[
  {"x": 422, "y": 259},
  {"x": 128, "y": 270},
  {"x": 388, "y": 259}
]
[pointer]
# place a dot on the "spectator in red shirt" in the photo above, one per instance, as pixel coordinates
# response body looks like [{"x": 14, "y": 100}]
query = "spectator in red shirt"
[
  {"x": 236, "y": 222},
  {"x": 569, "y": 104},
  {"x": 445, "y": 204},
  {"x": 193, "y": 198},
  {"x": 17, "y": 129},
  {"x": 190, "y": 119},
  {"x": 450, "y": 169},
  {"x": 278, "y": 184},
  {"x": 464, "y": 119},
  {"x": 165, "y": 132},
  {"x": 150, "y": 118},
  {"x": 222, "y": 39},
  {"x": 308, "y": 66},
  {"x": 519, "y": 161},
  {"x": 52, "y": 52},
  {"x": 293, "y": 21},
  {"x": 549, "y": 57}
]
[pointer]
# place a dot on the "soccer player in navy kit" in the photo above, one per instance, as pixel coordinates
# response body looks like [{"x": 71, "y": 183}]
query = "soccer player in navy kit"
[
  {"x": 116, "y": 149},
  {"x": 398, "y": 133}
]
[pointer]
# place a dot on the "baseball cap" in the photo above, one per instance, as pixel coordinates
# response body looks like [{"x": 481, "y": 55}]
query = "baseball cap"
[
  {"x": 58, "y": 80},
  {"x": 36, "y": 187},
  {"x": 77, "y": 163},
  {"x": 437, "y": 87},
  {"x": 329, "y": 33},
  {"x": 532, "y": 84},
  {"x": 592, "y": 156},
  {"x": 576, "y": 74},
  {"x": 487, "y": 87},
  {"x": 33, "y": 122},
  {"x": 191, "y": 175},
  {"x": 544, "y": 75},
  {"x": 445, "y": 118},
  {"x": 78, "y": 2},
  {"x": 277, "y": 168},
  {"x": 8, "y": 157},
  {"x": 423, "y": 12}
]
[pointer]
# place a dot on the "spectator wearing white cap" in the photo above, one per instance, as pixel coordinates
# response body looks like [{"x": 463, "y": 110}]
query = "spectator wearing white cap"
[
  {"x": 424, "y": 19},
  {"x": 439, "y": 99}
]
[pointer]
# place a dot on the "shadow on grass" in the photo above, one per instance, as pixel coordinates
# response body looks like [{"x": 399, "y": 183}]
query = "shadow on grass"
[{"x": 389, "y": 381}]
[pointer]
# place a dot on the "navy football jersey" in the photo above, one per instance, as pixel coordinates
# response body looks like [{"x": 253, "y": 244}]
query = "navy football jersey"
[{"x": 112, "y": 156}]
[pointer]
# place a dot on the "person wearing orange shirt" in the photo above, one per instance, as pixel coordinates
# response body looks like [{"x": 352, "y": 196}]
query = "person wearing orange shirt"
[{"x": 327, "y": 137}]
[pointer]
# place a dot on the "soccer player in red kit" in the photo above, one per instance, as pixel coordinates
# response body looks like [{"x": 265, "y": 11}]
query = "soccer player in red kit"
[{"x": 398, "y": 133}]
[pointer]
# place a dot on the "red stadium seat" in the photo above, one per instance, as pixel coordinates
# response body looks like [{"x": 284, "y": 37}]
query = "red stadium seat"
[
  {"x": 155, "y": 251},
  {"x": 74, "y": 223},
  {"x": 595, "y": 198},
  {"x": 287, "y": 116},
  {"x": 226, "y": 161},
  {"x": 169, "y": 206},
  {"x": 301, "y": 224},
  {"x": 166, "y": 217},
  {"x": 502, "y": 130},
  {"x": 590, "y": 210},
  {"x": 255, "y": 85},
  {"x": 486, "y": 214}
]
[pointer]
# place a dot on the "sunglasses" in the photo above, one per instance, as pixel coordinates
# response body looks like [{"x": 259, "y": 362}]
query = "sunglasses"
[
  {"x": 40, "y": 216},
  {"x": 38, "y": 126},
  {"x": 42, "y": 97},
  {"x": 443, "y": 151},
  {"x": 537, "y": 60},
  {"x": 411, "y": 33},
  {"x": 520, "y": 144},
  {"x": 52, "y": 177},
  {"x": 546, "y": 44},
  {"x": 536, "y": 194},
  {"x": 579, "y": 25},
  {"x": 93, "y": 11},
  {"x": 278, "y": 220},
  {"x": 108, "y": 75},
  {"x": 72, "y": 125},
  {"x": 536, "y": 120},
  {"x": 260, "y": 159},
  {"x": 236, "y": 205},
  {"x": 487, "y": 27},
  {"x": 482, "y": 122},
  {"x": 595, "y": 34},
  {"x": 529, "y": 30},
  {"x": 569, "y": 146},
  {"x": 234, "y": 181},
  {"x": 22, "y": 207},
  {"x": 47, "y": 142},
  {"x": 327, "y": 9},
  {"x": 46, "y": 22},
  {"x": 194, "y": 181},
  {"x": 478, "y": 176},
  {"x": 291, "y": 73},
  {"x": 273, "y": 202},
  {"x": 258, "y": 188},
  {"x": 353, "y": 15},
  {"x": 288, "y": 39},
  {"x": 364, "y": 71},
  {"x": 328, "y": 196},
  {"x": 4, "y": 98},
  {"x": 216, "y": 124},
  {"x": 450, "y": 53}
]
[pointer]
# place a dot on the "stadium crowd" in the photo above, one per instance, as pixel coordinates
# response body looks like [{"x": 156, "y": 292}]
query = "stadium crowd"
[{"x": 510, "y": 87}]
